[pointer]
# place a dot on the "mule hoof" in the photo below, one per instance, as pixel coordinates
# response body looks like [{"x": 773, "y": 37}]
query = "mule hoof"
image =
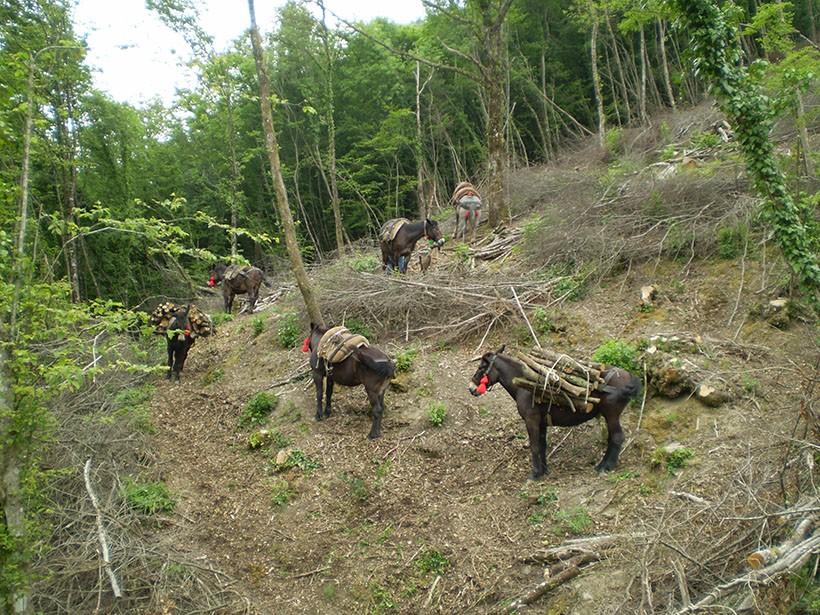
[
  {"x": 536, "y": 477},
  {"x": 318, "y": 417},
  {"x": 604, "y": 468},
  {"x": 373, "y": 436}
]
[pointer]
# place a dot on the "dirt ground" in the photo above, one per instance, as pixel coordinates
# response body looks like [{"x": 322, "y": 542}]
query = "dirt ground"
[{"x": 442, "y": 519}]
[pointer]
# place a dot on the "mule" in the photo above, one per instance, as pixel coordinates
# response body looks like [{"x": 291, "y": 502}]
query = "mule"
[
  {"x": 396, "y": 253},
  {"x": 621, "y": 386},
  {"x": 178, "y": 342},
  {"x": 367, "y": 366},
  {"x": 237, "y": 280}
]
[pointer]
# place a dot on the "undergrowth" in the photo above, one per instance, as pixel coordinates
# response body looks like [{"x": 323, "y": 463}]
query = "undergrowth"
[
  {"x": 257, "y": 409},
  {"x": 148, "y": 498}
]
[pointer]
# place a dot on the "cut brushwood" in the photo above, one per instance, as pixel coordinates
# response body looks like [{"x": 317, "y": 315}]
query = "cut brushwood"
[{"x": 561, "y": 380}]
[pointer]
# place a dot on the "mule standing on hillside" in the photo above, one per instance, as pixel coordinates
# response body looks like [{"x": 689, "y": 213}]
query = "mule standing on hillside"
[
  {"x": 237, "y": 280},
  {"x": 621, "y": 386},
  {"x": 179, "y": 340},
  {"x": 468, "y": 210},
  {"x": 398, "y": 238},
  {"x": 365, "y": 365}
]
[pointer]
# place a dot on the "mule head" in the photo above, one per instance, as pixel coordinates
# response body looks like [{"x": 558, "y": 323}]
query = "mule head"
[
  {"x": 217, "y": 274},
  {"x": 312, "y": 340},
  {"x": 433, "y": 232},
  {"x": 487, "y": 373}
]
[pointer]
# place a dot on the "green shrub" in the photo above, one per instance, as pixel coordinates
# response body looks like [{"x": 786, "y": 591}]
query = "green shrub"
[
  {"x": 299, "y": 459},
  {"x": 364, "y": 263},
  {"x": 575, "y": 520},
  {"x": 731, "y": 240},
  {"x": 382, "y": 599},
  {"x": 257, "y": 409},
  {"x": 705, "y": 140},
  {"x": 357, "y": 326},
  {"x": 618, "y": 353},
  {"x": 462, "y": 253},
  {"x": 437, "y": 413},
  {"x": 266, "y": 437},
  {"x": 281, "y": 493},
  {"x": 613, "y": 140},
  {"x": 542, "y": 321},
  {"x": 288, "y": 331},
  {"x": 130, "y": 406},
  {"x": 133, "y": 396},
  {"x": 358, "y": 488},
  {"x": 148, "y": 498},
  {"x": 221, "y": 318},
  {"x": 405, "y": 359},
  {"x": 432, "y": 561},
  {"x": 258, "y": 325},
  {"x": 212, "y": 376},
  {"x": 673, "y": 460}
]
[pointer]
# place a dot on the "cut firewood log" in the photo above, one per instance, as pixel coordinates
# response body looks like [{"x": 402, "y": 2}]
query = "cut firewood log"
[{"x": 764, "y": 557}]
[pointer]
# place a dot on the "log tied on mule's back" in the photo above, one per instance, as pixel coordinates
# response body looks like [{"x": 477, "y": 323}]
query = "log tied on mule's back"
[{"x": 181, "y": 325}]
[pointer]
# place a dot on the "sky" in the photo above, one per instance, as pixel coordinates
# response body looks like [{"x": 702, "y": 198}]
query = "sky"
[{"x": 136, "y": 58}]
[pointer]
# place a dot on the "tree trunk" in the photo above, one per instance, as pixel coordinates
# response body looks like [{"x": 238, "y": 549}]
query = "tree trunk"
[
  {"x": 621, "y": 74},
  {"x": 421, "y": 172},
  {"x": 496, "y": 151},
  {"x": 236, "y": 176},
  {"x": 272, "y": 147},
  {"x": 642, "y": 99},
  {"x": 596, "y": 82},
  {"x": 812, "y": 23},
  {"x": 664, "y": 62},
  {"x": 803, "y": 133},
  {"x": 10, "y": 488},
  {"x": 331, "y": 136}
]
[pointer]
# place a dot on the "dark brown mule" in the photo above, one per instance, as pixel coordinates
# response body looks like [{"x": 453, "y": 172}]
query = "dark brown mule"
[
  {"x": 396, "y": 253},
  {"x": 621, "y": 387},
  {"x": 237, "y": 280},
  {"x": 179, "y": 341},
  {"x": 367, "y": 365}
]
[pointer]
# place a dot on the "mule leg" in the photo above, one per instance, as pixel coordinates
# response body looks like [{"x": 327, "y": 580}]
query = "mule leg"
[
  {"x": 377, "y": 407},
  {"x": 614, "y": 443},
  {"x": 328, "y": 395},
  {"x": 317, "y": 382},
  {"x": 182, "y": 354},
  {"x": 542, "y": 442},
  {"x": 533, "y": 423},
  {"x": 402, "y": 263},
  {"x": 170, "y": 345},
  {"x": 252, "y": 301}
]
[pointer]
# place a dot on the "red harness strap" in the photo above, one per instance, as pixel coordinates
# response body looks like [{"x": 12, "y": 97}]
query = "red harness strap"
[
  {"x": 306, "y": 345},
  {"x": 212, "y": 281},
  {"x": 482, "y": 385}
]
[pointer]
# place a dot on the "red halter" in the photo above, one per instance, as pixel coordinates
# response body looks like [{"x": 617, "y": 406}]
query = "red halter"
[
  {"x": 306, "y": 345},
  {"x": 212, "y": 281},
  {"x": 482, "y": 385}
]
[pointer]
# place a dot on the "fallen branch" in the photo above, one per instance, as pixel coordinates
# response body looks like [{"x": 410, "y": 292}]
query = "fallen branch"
[
  {"x": 557, "y": 574},
  {"x": 101, "y": 535},
  {"x": 300, "y": 374}
]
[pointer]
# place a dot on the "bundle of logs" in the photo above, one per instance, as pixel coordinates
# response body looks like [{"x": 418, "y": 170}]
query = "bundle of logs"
[
  {"x": 500, "y": 244},
  {"x": 201, "y": 325},
  {"x": 561, "y": 380}
]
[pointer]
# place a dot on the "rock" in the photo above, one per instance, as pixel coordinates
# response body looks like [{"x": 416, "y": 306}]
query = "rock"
[
  {"x": 259, "y": 439},
  {"x": 648, "y": 294},
  {"x": 711, "y": 395},
  {"x": 777, "y": 312},
  {"x": 282, "y": 456},
  {"x": 400, "y": 383}
]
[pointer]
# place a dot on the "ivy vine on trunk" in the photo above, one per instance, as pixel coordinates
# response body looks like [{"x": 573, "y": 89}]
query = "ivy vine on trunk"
[{"x": 716, "y": 52}]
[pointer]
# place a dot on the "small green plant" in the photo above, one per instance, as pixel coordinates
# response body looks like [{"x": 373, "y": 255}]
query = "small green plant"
[
  {"x": 542, "y": 321},
  {"x": 613, "y": 141},
  {"x": 405, "y": 359},
  {"x": 299, "y": 459},
  {"x": 281, "y": 493},
  {"x": 462, "y": 252},
  {"x": 750, "y": 385},
  {"x": 619, "y": 477},
  {"x": 645, "y": 489},
  {"x": 668, "y": 153},
  {"x": 131, "y": 406},
  {"x": 267, "y": 437},
  {"x": 705, "y": 140},
  {"x": 575, "y": 520},
  {"x": 148, "y": 498},
  {"x": 214, "y": 375},
  {"x": 618, "y": 353},
  {"x": 288, "y": 330},
  {"x": 731, "y": 240},
  {"x": 258, "y": 325},
  {"x": 358, "y": 488},
  {"x": 382, "y": 599},
  {"x": 329, "y": 592},
  {"x": 673, "y": 460},
  {"x": 437, "y": 413},
  {"x": 357, "y": 326},
  {"x": 363, "y": 263},
  {"x": 257, "y": 409},
  {"x": 221, "y": 318},
  {"x": 432, "y": 561}
]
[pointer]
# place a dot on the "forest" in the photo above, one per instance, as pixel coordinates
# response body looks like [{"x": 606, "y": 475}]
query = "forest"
[{"x": 296, "y": 144}]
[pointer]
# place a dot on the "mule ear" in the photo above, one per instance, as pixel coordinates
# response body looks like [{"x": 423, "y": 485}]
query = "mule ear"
[{"x": 500, "y": 350}]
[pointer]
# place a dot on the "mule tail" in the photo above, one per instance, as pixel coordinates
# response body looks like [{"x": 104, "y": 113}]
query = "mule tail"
[{"x": 383, "y": 367}]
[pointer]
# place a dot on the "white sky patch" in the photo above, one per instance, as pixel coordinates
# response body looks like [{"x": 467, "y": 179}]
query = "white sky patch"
[{"x": 135, "y": 57}]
